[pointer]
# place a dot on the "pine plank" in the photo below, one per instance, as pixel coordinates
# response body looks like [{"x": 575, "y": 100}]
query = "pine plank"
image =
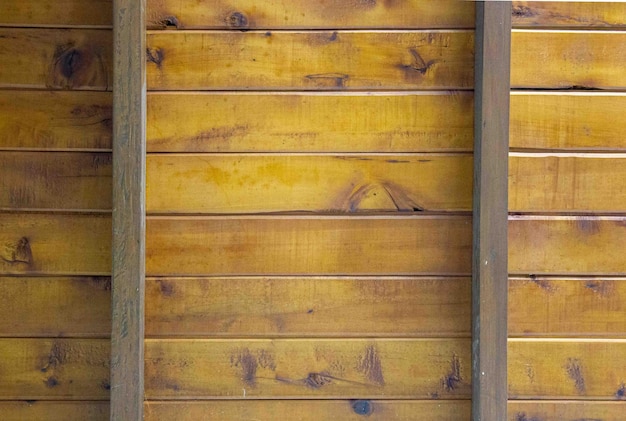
[
  {"x": 70, "y": 369},
  {"x": 301, "y": 307},
  {"x": 309, "y": 122},
  {"x": 55, "y": 120},
  {"x": 538, "y": 14},
  {"x": 55, "y": 244},
  {"x": 572, "y": 369},
  {"x": 55, "y": 180},
  {"x": 416, "y": 369},
  {"x": 567, "y": 121},
  {"x": 307, "y": 410},
  {"x": 584, "y": 307},
  {"x": 64, "y": 13},
  {"x": 565, "y": 411},
  {"x": 307, "y": 245},
  {"x": 54, "y": 411},
  {"x": 300, "y": 14},
  {"x": 233, "y": 183},
  {"x": 326, "y": 60},
  {"x": 568, "y": 59},
  {"x": 55, "y": 307},
  {"x": 76, "y": 59},
  {"x": 567, "y": 245}
]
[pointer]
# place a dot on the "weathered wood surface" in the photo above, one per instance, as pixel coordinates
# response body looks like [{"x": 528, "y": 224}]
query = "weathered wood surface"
[
  {"x": 51, "y": 307},
  {"x": 320, "y": 245},
  {"x": 55, "y": 244},
  {"x": 567, "y": 369},
  {"x": 308, "y": 410},
  {"x": 72, "y": 369},
  {"x": 318, "y": 60},
  {"x": 309, "y": 122},
  {"x": 54, "y": 411},
  {"x": 55, "y": 59},
  {"x": 267, "y": 183},
  {"x": 62, "y": 13},
  {"x": 302, "y": 307},
  {"x": 302, "y": 14},
  {"x": 55, "y": 120},
  {"x": 538, "y": 14},
  {"x": 567, "y": 120},
  {"x": 55, "y": 180},
  {"x": 416, "y": 369},
  {"x": 568, "y": 59},
  {"x": 564, "y": 410}
]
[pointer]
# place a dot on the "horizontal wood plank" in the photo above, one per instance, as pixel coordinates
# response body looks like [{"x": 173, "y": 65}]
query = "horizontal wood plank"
[
  {"x": 567, "y": 121},
  {"x": 70, "y": 369},
  {"x": 417, "y": 369},
  {"x": 584, "y": 307},
  {"x": 307, "y": 410},
  {"x": 568, "y": 59},
  {"x": 55, "y": 244},
  {"x": 565, "y": 411},
  {"x": 56, "y": 59},
  {"x": 54, "y": 411},
  {"x": 307, "y": 245},
  {"x": 55, "y": 307},
  {"x": 316, "y": 60},
  {"x": 300, "y": 307},
  {"x": 550, "y": 14},
  {"x": 300, "y": 14},
  {"x": 559, "y": 369},
  {"x": 64, "y": 13},
  {"x": 308, "y": 122},
  {"x": 55, "y": 180}
]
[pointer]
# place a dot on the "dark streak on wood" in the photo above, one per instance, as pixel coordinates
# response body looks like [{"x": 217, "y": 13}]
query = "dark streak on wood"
[
  {"x": 575, "y": 372},
  {"x": 521, "y": 416},
  {"x": 155, "y": 55},
  {"x": 328, "y": 80},
  {"x": 453, "y": 379},
  {"x": 371, "y": 366}
]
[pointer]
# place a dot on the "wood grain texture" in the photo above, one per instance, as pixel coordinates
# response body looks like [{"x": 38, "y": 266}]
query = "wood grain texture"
[
  {"x": 307, "y": 410},
  {"x": 309, "y": 60},
  {"x": 550, "y": 14},
  {"x": 567, "y": 245},
  {"x": 268, "y": 183},
  {"x": 301, "y": 307},
  {"x": 568, "y": 59},
  {"x": 55, "y": 307},
  {"x": 70, "y": 369},
  {"x": 55, "y": 180},
  {"x": 55, "y": 59},
  {"x": 63, "y": 13},
  {"x": 278, "y": 14},
  {"x": 565, "y": 410},
  {"x": 307, "y": 245},
  {"x": 309, "y": 122},
  {"x": 580, "y": 369},
  {"x": 55, "y": 120},
  {"x": 567, "y": 121},
  {"x": 416, "y": 369},
  {"x": 584, "y": 307},
  {"x": 53, "y": 411},
  {"x": 55, "y": 244}
]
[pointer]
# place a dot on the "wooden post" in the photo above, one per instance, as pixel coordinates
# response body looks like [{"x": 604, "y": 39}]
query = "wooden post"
[
  {"x": 489, "y": 266},
  {"x": 129, "y": 111}
]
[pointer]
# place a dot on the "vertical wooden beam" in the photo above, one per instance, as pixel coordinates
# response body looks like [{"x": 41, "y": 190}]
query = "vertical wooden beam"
[
  {"x": 489, "y": 271},
  {"x": 129, "y": 150}
]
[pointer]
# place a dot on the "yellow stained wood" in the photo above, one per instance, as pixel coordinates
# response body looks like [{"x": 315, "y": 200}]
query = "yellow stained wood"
[
  {"x": 55, "y": 244},
  {"x": 398, "y": 307},
  {"x": 56, "y": 58},
  {"x": 72, "y": 369},
  {"x": 567, "y": 245},
  {"x": 307, "y": 245},
  {"x": 55, "y": 180},
  {"x": 326, "y": 60},
  {"x": 257, "y": 122},
  {"x": 568, "y": 14},
  {"x": 269, "y": 183},
  {"x": 565, "y": 411},
  {"x": 275, "y": 14},
  {"x": 48, "y": 307},
  {"x": 56, "y": 12},
  {"x": 588, "y": 307},
  {"x": 565, "y": 184},
  {"x": 307, "y": 410},
  {"x": 581, "y": 369},
  {"x": 568, "y": 59},
  {"x": 367, "y": 368},
  {"x": 54, "y": 411},
  {"x": 570, "y": 121}
]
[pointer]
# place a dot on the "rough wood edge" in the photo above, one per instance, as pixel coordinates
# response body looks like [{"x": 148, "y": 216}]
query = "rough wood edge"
[
  {"x": 128, "y": 248},
  {"x": 489, "y": 264}
]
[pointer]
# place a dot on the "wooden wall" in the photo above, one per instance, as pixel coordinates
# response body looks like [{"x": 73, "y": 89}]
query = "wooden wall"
[{"x": 55, "y": 202}]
